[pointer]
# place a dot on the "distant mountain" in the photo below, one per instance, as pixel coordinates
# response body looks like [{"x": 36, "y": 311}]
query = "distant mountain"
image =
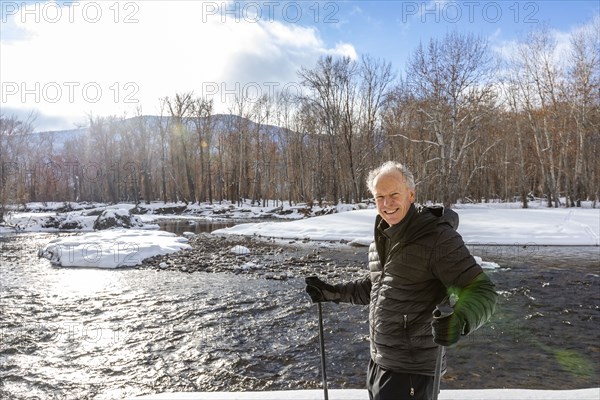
[
  {"x": 57, "y": 139},
  {"x": 222, "y": 123}
]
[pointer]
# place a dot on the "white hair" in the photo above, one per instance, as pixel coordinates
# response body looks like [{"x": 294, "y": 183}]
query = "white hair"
[{"x": 387, "y": 167}]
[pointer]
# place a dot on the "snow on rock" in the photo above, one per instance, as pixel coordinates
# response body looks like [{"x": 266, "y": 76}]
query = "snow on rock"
[
  {"x": 278, "y": 276},
  {"x": 111, "y": 248},
  {"x": 250, "y": 265},
  {"x": 74, "y": 217},
  {"x": 117, "y": 218},
  {"x": 240, "y": 250},
  {"x": 486, "y": 264},
  {"x": 359, "y": 394},
  {"x": 63, "y": 222}
]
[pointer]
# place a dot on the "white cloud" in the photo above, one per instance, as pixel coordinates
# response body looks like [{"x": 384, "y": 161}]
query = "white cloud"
[
  {"x": 345, "y": 50},
  {"x": 561, "y": 41},
  {"x": 101, "y": 57}
]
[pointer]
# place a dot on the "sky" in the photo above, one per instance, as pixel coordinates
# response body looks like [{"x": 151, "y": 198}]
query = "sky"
[{"x": 64, "y": 61}]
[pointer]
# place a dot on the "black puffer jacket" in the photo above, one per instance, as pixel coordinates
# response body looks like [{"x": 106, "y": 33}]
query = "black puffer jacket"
[{"x": 413, "y": 266}]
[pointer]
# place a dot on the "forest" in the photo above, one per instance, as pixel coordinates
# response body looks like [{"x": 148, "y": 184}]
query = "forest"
[{"x": 471, "y": 124}]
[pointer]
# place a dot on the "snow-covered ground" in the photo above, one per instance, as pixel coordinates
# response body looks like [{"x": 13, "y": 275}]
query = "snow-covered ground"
[
  {"x": 497, "y": 223},
  {"x": 483, "y": 224},
  {"x": 479, "y": 224},
  {"x": 357, "y": 394}
]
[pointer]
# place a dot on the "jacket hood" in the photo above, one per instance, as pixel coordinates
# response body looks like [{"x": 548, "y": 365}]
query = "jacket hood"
[
  {"x": 419, "y": 221},
  {"x": 447, "y": 215}
]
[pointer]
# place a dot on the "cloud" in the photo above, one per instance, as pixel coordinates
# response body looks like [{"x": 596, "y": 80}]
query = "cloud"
[
  {"x": 560, "y": 40},
  {"x": 345, "y": 50},
  {"x": 107, "y": 58}
]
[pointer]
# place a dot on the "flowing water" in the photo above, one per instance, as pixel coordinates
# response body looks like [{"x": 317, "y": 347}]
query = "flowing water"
[{"x": 69, "y": 333}]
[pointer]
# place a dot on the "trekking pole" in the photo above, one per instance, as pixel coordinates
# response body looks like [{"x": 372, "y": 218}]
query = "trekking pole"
[
  {"x": 322, "y": 343},
  {"x": 438, "y": 372},
  {"x": 441, "y": 311}
]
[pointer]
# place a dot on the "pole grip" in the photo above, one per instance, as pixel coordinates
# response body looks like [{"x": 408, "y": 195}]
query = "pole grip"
[{"x": 442, "y": 311}]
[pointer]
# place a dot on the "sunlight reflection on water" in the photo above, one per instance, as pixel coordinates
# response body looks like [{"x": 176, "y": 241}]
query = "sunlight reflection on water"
[{"x": 82, "y": 282}]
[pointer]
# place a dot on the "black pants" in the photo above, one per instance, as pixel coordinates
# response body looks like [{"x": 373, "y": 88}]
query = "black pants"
[{"x": 384, "y": 384}]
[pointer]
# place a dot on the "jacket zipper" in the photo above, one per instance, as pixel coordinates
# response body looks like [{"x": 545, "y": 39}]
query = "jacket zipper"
[
  {"x": 412, "y": 388},
  {"x": 407, "y": 336}
]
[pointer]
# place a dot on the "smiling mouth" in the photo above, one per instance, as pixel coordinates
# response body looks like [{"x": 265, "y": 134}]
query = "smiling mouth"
[{"x": 391, "y": 212}]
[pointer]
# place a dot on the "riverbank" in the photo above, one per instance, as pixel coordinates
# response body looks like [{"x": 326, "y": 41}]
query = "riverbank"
[
  {"x": 492, "y": 226},
  {"x": 483, "y": 223},
  {"x": 262, "y": 258}
]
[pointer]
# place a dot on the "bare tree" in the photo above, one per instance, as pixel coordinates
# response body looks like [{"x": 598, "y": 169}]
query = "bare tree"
[
  {"x": 538, "y": 81},
  {"x": 204, "y": 123},
  {"x": 13, "y": 151},
  {"x": 375, "y": 78},
  {"x": 522, "y": 162},
  {"x": 291, "y": 141},
  {"x": 239, "y": 138},
  {"x": 451, "y": 80},
  {"x": 163, "y": 128},
  {"x": 329, "y": 85},
  {"x": 181, "y": 109},
  {"x": 583, "y": 93},
  {"x": 103, "y": 138}
]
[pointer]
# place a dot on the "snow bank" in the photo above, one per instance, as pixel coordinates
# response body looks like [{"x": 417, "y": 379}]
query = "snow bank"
[
  {"x": 111, "y": 248},
  {"x": 358, "y": 394},
  {"x": 542, "y": 226},
  {"x": 117, "y": 218},
  {"x": 478, "y": 225},
  {"x": 351, "y": 226}
]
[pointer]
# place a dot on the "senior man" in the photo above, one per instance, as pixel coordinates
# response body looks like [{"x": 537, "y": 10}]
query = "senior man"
[{"x": 416, "y": 262}]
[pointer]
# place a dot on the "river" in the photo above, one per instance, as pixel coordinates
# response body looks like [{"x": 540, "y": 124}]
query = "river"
[{"x": 70, "y": 333}]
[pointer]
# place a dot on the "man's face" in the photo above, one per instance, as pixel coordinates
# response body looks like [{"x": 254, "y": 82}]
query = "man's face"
[{"x": 392, "y": 196}]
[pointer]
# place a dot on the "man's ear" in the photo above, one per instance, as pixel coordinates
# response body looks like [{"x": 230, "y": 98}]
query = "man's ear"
[{"x": 411, "y": 196}]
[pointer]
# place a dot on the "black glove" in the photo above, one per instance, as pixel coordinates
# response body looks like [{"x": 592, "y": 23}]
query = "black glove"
[
  {"x": 447, "y": 330},
  {"x": 320, "y": 291}
]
